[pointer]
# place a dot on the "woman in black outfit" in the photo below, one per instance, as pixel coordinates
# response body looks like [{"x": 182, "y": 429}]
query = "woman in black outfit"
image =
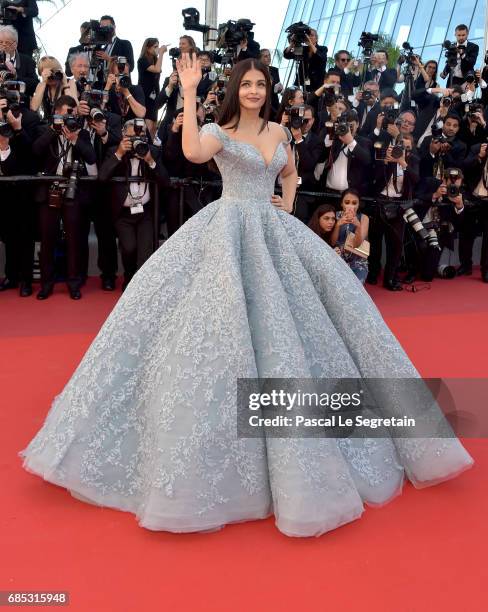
[{"x": 149, "y": 69}]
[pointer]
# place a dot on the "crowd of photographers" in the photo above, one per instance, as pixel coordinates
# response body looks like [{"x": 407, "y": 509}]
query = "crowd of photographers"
[{"x": 407, "y": 170}]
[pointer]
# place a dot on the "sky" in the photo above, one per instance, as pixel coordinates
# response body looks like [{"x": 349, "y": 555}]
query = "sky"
[{"x": 139, "y": 20}]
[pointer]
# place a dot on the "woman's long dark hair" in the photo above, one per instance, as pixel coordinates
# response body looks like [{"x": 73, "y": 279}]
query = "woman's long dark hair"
[
  {"x": 286, "y": 99},
  {"x": 353, "y": 192},
  {"x": 314, "y": 224},
  {"x": 148, "y": 43},
  {"x": 230, "y": 109}
]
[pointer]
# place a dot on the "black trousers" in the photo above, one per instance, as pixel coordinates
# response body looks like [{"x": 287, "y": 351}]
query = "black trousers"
[
  {"x": 50, "y": 232},
  {"x": 179, "y": 208},
  {"x": 135, "y": 233},
  {"x": 97, "y": 209},
  {"x": 392, "y": 229},
  {"x": 18, "y": 215},
  {"x": 475, "y": 222}
]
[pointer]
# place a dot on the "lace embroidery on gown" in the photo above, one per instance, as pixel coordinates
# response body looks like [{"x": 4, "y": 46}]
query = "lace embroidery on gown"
[{"x": 147, "y": 423}]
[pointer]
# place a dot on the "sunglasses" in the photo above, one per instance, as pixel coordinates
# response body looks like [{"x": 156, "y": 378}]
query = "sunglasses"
[{"x": 344, "y": 59}]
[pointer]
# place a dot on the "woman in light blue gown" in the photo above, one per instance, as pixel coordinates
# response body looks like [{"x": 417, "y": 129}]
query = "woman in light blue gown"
[{"x": 147, "y": 423}]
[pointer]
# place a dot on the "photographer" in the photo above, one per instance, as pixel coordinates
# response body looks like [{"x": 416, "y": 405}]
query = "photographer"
[
  {"x": 441, "y": 211},
  {"x": 15, "y": 65},
  {"x": 473, "y": 128},
  {"x": 149, "y": 70},
  {"x": 105, "y": 131},
  {"x": 276, "y": 86},
  {"x": 23, "y": 24},
  {"x": 461, "y": 57},
  {"x": 248, "y": 47},
  {"x": 325, "y": 97},
  {"x": 52, "y": 86},
  {"x": 303, "y": 45},
  {"x": 380, "y": 73},
  {"x": 475, "y": 219},
  {"x": 133, "y": 202},
  {"x": 80, "y": 71},
  {"x": 124, "y": 98},
  {"x": 396, "y": 175},
  {"x": 347, "y": 156},
  {"x": 63, "y": 148},
  {"x": 195, "y": 197},
  {"x": 442, "y": 149},
  {"x": 365, "y": 101},
  {"x": 17, "y": 215},
  {"x": 349, "y": 71},
  {"x": 307, "y": 149},
  {"x": 388, "y": 102},
  {"x": 117, "y": 47}
]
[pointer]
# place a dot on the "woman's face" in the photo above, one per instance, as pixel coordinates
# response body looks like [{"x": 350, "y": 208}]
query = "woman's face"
[
  {"x": 327, "y": 221},
  {"x": 350, "y": 203},
  {"x": 252, "y": 90},
  {"x": 153, "y": 49},
  {"x": 298, "y": 98},
  {"x": 184, "y": 46},
  {"x": 430, "y": 69}
]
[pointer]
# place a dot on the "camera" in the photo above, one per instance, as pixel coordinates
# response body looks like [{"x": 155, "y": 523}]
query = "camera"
[
  {"x": 470, "y": 77},
  {"x": 451, "y": 53},
  {"x": 210, "y": 113},
  {"x": 390, "y": 116},
  {"x": 96, "y": 35},
  {"x": 437, "y": 133},
  {"x": 340, "y": 127},
  {"x": 407, "y": 55},
  {"x": 367, "y": 95},
  {"x": 140, "y": 145},
  {"x": 452, "y": 175},
  {"x": 56, "y": 75},
  {"x": 71, "y": 122},
  {"x": 7, "y": 14},
  {"x": 232, "y": 33},
  {"x": 447, "y": 101},
  {"x": 472, "y": 108},
  {"x": 174, "y": 54},
  {"x": 332, "y": 93},
  {"x": 71, "y": 171},
  {"x": 295, "y": 114},
  {"x": 95, "y": 99},
  {"x": 297, "y": 33},
  {"x": 367, "y": 41},
  {"x": 11, "y": 91},
  {"x": 124, "y": 81},
  {"x": 452, "y": 191}
]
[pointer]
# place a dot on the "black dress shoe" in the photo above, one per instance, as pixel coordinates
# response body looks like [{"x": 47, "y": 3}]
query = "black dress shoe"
[
  {"x": 8, "y": 284},
  {"x": 371, "y": 280},
  {"x": 108, "y": 284},
  {"x": 25, "y": 289},
  {"x": 464, "y": 270},
  {"x": 409, "y": 279},
  {"x": 393, "y": 286},
  {"x": 484, "y": 276},
  {"x": 44, "y": 292},
  {"x": 75, "y": 294}
]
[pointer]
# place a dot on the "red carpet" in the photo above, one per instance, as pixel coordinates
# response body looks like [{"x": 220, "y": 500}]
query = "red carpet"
[{"x": 423, "y": 551}]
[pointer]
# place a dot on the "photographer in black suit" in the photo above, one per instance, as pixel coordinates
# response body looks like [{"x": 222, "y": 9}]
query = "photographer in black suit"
[
  {"x": 442, "y": 149},
  {"x": 313, "y": 64},
  {"x": 380, "y": 73},
  {"x": 133, "y": 202},
  {"x": 349, "y": 71},
  {"x": 346, "y": 156},
  {"x": 476, "y": 219},
  {"x": 24, "y": 25},
  {"x": 396, "y": 175},
  {"x": 62, "y": 146},
  {"x": 16, "y": 212},
  {"x": 105, "y": 131},
  {"x": 20, "y": 66},
  {"x": 465, "y": 54},
  {"x": 274, "y": 73},
  {"x": 117, "y": 47}
]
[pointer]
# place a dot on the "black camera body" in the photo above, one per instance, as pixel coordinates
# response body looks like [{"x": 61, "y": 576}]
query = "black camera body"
[
  {"x": 295, "y": 114},
  {"x": 339, "y": 127},
  {"x": 367, "y": 95},
  {"x": 452, "y": 191},
  {"x": 96, "y": 35},
  {"x": 332, "y": 93},
  {"x": 472, "y": 108},
  {"x": 232, "y": 33},
  {"x": 451, "y": 53},
  {"x": 73, "y": 123},
  {"x": 174, "y": 54},
  {"x": 140, "y": 145},
  {"x": 5, "y": 73},
  {"x": 297, "y": 33},
  {"x": 390, "y": 116},
  {"x": 6, "y": 130},
  {"x": 12, "y": 92},
  {"x": 407, "y": 56},
  {"x": 367, "y": 41}
]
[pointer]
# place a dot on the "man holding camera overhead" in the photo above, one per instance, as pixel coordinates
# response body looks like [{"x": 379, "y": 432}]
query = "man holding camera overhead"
[
  {"x": 303, "y": 46},
  {"x": 461, "y": 57},
  {"x": 64, "y": 149},
  {"x": 133, "y": 202}
]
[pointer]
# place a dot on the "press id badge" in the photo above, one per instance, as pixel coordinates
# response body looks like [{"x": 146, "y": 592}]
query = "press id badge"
[
  {"x": 136, "y": 209},
  {"x": 153, "y": 95},
  {"x": 299, "y": 181}
]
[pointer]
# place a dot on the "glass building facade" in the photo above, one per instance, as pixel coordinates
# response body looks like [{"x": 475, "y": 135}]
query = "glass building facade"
[{"x": 425, "y": 24}]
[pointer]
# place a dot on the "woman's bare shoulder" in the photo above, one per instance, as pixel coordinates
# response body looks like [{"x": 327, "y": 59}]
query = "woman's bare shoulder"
[{"x": 279, "y": 132}]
